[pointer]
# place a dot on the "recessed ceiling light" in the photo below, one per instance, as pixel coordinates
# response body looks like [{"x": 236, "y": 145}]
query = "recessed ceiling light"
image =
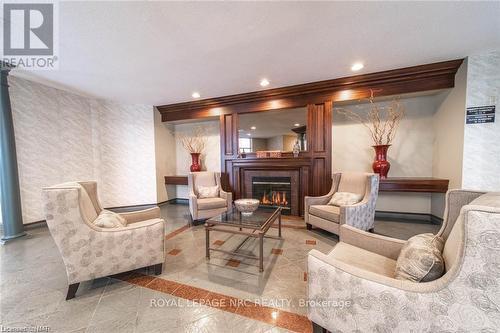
[
  {"x": 196, "y": 95},
  {"x": 264, "y": 82},
  {"x": 253, "y": 128},
  {"x": 357, "y": 66},
  {"x": 296, "y": 125}
]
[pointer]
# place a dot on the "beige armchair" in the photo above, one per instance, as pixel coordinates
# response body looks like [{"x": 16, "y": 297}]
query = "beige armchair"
[
  {"x": 318, "y": 213},
  {"x": 89, "y": 251},
  {"x": 207, "y": 207},
  {"x": 358, "y": 274}
]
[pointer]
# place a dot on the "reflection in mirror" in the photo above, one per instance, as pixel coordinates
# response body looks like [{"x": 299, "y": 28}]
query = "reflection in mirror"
[{"x": 276, "y": 130}]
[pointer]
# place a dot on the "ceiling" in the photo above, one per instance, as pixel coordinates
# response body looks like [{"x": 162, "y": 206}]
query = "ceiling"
[{"x": 160, "y": 52}]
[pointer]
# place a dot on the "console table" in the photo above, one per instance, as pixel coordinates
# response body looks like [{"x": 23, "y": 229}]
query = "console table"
[{"x": 414, "y": 184}]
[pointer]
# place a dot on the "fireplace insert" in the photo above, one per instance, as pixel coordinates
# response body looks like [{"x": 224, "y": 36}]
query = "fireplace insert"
[{"x": 273, "y": 192}]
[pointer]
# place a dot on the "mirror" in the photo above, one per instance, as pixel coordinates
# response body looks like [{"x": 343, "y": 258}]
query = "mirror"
[{"x": 272, "y": 130}]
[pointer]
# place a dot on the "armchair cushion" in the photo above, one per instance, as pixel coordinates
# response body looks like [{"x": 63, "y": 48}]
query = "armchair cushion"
[
  {"x": 345, "y": 198},
  {"x": 109, "y": 219},
  {"x": 211, "y": 203},
  {"x": 420, "y": 259},
  {"x": 208, "y": 192},
  {"x": 363, "y": 259},
  {"x": 327, "y": 212}
]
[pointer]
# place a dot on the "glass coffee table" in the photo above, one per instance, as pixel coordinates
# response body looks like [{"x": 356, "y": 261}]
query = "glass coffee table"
[{"x": 255, "y": 225}]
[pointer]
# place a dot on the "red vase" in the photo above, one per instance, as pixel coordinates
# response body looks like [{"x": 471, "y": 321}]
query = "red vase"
[
  {"x": 380, "y": 165},
  {"x": 195, "y": 159}
]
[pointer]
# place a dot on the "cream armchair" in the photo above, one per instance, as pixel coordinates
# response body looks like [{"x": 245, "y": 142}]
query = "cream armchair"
[
  {"x": 318, "y": 213},
  {"x": 91, "y": 252},
  {"x": 207, "y": 207},
  {"x": 357, "y": 277}
]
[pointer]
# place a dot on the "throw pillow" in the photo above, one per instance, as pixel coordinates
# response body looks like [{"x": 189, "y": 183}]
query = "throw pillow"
[
  {"x": 109, "y": 219},
  {"x": 208, "y": 192},
  {"x": 345, "y": 199},
  {"x": 421, "y": 259}
]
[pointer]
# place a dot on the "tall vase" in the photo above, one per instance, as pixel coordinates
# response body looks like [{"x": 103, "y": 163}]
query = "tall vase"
[
  {"x": 195, "y": 159},
  {"x": 380, "y": 165}
]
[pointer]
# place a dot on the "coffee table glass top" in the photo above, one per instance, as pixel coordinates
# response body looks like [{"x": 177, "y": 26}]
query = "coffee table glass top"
[{"x": 257, "y": 220}]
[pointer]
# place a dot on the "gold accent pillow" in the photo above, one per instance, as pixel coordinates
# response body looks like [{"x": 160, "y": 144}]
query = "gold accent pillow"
[
  {"x": 208, "y": 192},
  {"x": 345, "y": 199},
  {"x": 109, "y": 219},
  {"x": 421, "y": 259}
]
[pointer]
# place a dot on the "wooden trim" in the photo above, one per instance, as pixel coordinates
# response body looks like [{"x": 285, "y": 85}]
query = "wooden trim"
[
  {"x": 176, "y": 180},
  {"x": 414, "y": 184},
  {"x": 439, "y": 75}
]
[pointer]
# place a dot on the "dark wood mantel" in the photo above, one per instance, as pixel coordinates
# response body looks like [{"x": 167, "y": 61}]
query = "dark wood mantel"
[{"x": 426, "y": 77}]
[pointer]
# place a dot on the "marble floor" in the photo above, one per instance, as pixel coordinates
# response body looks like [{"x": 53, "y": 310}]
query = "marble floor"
[{"x": 33, "y": 284}]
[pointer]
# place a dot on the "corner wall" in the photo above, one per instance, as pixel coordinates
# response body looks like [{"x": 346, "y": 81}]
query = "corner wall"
[
  {"x": 61, "y": 136},
  {"x": 481, "y": 157},
  {"x": 449, "y": 140}
]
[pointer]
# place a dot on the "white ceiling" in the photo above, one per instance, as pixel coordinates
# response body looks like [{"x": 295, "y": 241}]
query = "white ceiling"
[{"x": 160, "y": 52}]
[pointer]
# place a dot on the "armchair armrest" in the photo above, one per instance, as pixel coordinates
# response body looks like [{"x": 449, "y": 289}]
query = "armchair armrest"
[
  {"x": 141, "y": 215},
  {"x": 385, "y": 246},
  {"x": 193, "y": 205},
  {"x": 228, "y": 196}
]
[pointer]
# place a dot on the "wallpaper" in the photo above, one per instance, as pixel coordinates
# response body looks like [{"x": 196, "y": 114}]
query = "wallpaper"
[
  {"x": 61, "y": 136},
  {"x": 481, "y": 162}
]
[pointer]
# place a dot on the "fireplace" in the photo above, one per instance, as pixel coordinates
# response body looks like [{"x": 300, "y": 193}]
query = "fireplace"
[
  {"x": 273, "y": 188},
  {"x": 273, "y": 192}
]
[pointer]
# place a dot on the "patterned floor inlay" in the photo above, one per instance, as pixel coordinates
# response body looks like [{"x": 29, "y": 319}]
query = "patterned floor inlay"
[
  {"x": 305, "y": 276},
  {"x": 176, "y": 232},
  {"x": 174, "y": 252},
  {"x": 233, "y": 263},
  {"x": 219, "y": 242},
  {"x": 277, "y": 251},
  {"x": 310, "y": 242},
  {"x": 280, "y": 318}
]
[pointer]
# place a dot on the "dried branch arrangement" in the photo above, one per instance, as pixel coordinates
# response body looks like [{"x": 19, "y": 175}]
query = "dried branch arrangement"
[
  {"x": 194, "y": 143},
  {"x": 381, "y": 121}
]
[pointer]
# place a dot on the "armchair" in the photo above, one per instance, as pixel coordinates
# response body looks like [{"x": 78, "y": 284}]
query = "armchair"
[
  {"x": 207, "y": 207},
  {"x": 89, "y": 251},
  {"x": 318, "y": 213},
  {"x": 357, "y": 277}
]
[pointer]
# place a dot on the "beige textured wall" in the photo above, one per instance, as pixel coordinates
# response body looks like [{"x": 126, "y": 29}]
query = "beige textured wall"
[
  {"x": 165, "y": 158},
  {"x": 210, "y": 158},
  {"x": 411, "y": 153},
  {"x": 259, "y": 144},
  {"x": 288, "y": 142},
  {"x": 481, "y": 160},
  {"x": 275, "y": 143},
  {"x": 61, "y": 136},
  {"x": 448, "y": 147}
]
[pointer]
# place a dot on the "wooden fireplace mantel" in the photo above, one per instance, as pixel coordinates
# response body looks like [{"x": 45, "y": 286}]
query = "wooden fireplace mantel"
[{"x": 391, "y": 184}]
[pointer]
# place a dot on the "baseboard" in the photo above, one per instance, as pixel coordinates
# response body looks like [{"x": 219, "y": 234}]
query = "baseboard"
[
  {"x": 408, "y": 217},
  {"x": 179, "y": 201}
]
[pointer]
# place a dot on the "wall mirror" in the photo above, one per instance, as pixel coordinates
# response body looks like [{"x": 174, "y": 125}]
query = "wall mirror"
[{"x": 273, "y": 130}]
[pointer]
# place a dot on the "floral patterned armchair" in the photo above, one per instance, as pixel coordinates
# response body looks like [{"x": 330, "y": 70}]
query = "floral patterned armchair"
[
  {"x": 318, "y": 213},
  {"x": 357, "y": 277},
  {"x": 89, "y": 251}
]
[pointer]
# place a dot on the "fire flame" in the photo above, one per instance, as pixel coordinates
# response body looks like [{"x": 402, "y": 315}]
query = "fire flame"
[{"x": 274, "y": 199}]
